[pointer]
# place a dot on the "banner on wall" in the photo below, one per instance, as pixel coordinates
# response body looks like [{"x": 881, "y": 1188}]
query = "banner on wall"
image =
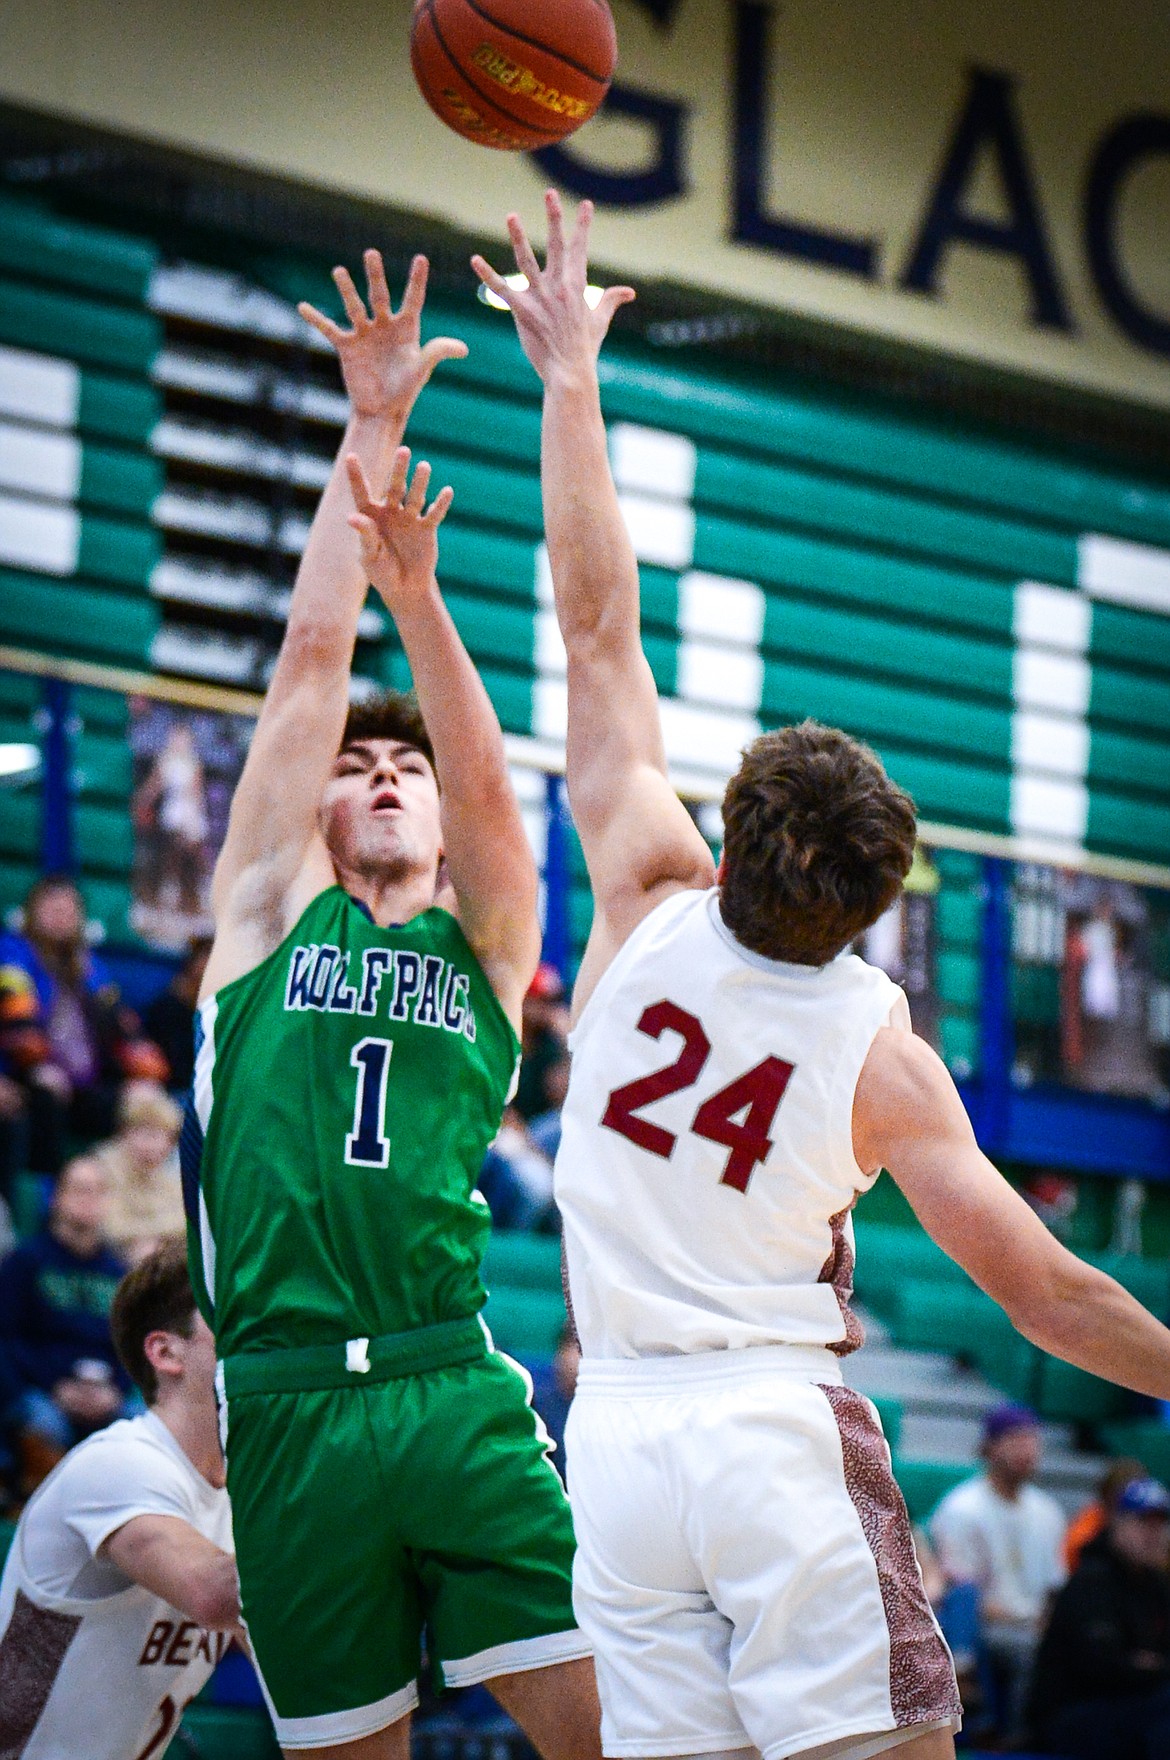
[
  {"x": 186, "y": 764},
  {"x": 990, "y": 181}
]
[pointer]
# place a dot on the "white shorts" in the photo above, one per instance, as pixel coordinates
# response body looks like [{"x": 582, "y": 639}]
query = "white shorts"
[{"x": 745, "y": 1569}]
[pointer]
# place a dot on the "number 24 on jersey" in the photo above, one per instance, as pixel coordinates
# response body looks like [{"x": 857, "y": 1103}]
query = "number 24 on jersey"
[{"x": 738, "y": 1117}]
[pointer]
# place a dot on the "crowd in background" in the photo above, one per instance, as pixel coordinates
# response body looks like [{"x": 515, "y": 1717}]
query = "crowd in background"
[{"x": 1061, "y": 1633}]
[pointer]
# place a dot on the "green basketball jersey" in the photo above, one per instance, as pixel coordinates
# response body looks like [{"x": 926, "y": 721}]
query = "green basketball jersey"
[{"x": 345, "y": 1092}]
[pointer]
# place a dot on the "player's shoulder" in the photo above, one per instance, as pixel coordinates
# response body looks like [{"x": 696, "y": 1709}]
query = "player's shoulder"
[{"x": 137, "y": 1450}]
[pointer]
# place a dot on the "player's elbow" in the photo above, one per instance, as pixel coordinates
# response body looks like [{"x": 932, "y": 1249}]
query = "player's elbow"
[
  {"x": 214, "y": 1596},
  {"x": 1053, "y": 1301}
]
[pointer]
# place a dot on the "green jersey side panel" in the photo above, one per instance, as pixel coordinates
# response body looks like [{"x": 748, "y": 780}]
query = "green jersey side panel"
[{"x": 346, "y": 1090}]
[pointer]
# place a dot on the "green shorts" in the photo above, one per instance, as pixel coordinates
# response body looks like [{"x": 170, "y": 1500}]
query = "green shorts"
[{"x": 372, "y": 1504}]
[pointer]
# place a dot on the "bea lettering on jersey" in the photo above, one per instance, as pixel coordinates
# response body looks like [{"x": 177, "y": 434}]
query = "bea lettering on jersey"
[
  {"x": 174, "y": 1643},
  {"x": 394, "y": 981}
]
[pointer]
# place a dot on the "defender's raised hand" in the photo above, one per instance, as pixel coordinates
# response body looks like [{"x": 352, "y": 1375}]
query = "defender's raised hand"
[
  {"x": 399, "y": 536},
  {"x": 383, "y": 362},
  {"x": 557, "y": 328}
]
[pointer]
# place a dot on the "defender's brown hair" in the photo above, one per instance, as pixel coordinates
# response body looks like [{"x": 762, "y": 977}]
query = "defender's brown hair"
[
  {"x": 817, "y": 843},
  {"x": 389, "y": 715},
  {"x": 155, "y": 1297}
]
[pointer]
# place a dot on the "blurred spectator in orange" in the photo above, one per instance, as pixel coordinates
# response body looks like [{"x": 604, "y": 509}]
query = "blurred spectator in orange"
[
  {"x": 1090, "y": 1523},
  {"x": 141, "y": 1163},
  {"x": 170, "y": 1019},
  {"x": 65, "y": 1036}
]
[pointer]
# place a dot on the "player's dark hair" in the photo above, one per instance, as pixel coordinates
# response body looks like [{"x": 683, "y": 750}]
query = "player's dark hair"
[
  {"x": 155, "y": 1297},
  {"x": 389, "y": 715},
  {"x": 817, "y": 843}
]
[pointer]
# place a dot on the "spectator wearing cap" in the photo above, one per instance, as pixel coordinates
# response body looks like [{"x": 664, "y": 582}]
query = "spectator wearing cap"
[
  {"x": 1001, "y": 1533},
  {"x": 66, "y": 1039},
  {"x": 1101, "y": 1689},
  {"x": 543, "y": 1039}
]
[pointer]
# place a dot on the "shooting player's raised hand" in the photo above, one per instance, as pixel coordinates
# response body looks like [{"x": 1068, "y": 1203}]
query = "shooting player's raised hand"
[
  {"x": 383, "y": 361},
  {"x": 558, "y": 330},
  {"x": 400, "y": 535}
]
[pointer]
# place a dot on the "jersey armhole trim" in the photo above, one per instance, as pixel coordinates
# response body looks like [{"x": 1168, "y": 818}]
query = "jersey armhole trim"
[
  {"x": 843, "y": 1090},
  {"x": 625, "y": 955}
]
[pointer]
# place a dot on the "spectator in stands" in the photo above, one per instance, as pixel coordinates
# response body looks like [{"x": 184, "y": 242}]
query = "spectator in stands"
[
  {"x": 170, "y": 1019},
  {"x": 55, "y": 1295},
  {"x": 1102, "y": 1679},
  {"x": 1090, "y": 1523},
  {"x": 544, "y": 1039},
  {"x": 64, "y": 1034},
  {"x": 516, "y": 1179},
  {"x": 545, "y": 1128},
  {"x": 553, "y": 1389},
  {"x": 1001, "y": 1533},
  {"x": 141, "y": 1164},
  {"x": 13, "y": 1125}
]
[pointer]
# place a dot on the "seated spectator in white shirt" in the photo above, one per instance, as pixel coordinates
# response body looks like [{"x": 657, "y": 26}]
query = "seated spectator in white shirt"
[
  {"x": 1004, "y": 1535},
  {"x": 120, "y": 1592}
]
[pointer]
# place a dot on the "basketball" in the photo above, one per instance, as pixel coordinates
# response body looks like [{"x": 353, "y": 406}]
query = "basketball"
[{"x": 507, "y": 74}]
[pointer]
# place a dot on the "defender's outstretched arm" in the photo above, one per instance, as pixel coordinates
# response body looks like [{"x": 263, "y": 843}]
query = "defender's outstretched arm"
[
  {"x": 639, "y": 841},
  {"x": 484, "y": 842},
  {"x": 908, "y": 1117},
  {"x": 272, "y": 832}
]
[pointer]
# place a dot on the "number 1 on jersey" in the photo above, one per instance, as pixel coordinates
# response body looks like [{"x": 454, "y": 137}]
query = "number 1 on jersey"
[{"x": 367, "y": 1144}]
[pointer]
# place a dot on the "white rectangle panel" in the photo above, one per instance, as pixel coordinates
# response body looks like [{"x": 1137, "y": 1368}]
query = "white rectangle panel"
[
  {"x": 716, "y": 605},
  {"x": 707, "y": 740},
  {"x": 1056, "y": 744},
  {"x": 550, "y": 708},
  {"x": 730, "y": 677},
  {"x": 39, "y": 387},
  {"x": 653, "y": 461},
  {"x": 660, "y": 531},
  {"x": 39, "y": 535},
  {"x": 231, "y": 659},
  {"x": 548, "y": 648},
  {"x": 39, "y": 463},
  {"x": 1125, "y": 573},
  {"x": 1043, "y": 680},
  {"x": 1041, "y": 806},
  {"x": 1052, "y": 617}
]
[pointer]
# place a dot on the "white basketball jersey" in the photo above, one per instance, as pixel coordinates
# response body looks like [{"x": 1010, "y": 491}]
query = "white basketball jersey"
[
  {"x": 706, "y": 1169},
  {"x": 92, "y": 1665}
]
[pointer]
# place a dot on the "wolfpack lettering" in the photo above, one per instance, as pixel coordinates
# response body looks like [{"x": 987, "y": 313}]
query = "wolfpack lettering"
[
  {"x": 425, "y": 989},
  {"x": 175, "y": 1643}
]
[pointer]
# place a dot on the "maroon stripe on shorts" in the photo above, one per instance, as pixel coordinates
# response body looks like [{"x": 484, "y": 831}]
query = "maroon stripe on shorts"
[
  {"x": 922, "y": 1676},
  {"x": 838, "y": 1270},
  {"x": 31, "y": 1653}
]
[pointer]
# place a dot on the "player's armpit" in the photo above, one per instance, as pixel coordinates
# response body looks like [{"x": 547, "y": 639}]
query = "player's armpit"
[
  {"x": 908, "y": 1118},
  {"x": 169, "y": 1557}
]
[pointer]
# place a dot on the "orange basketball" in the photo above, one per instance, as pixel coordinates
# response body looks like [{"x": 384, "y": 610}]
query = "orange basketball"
[{"x": 510, "y": 73}]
